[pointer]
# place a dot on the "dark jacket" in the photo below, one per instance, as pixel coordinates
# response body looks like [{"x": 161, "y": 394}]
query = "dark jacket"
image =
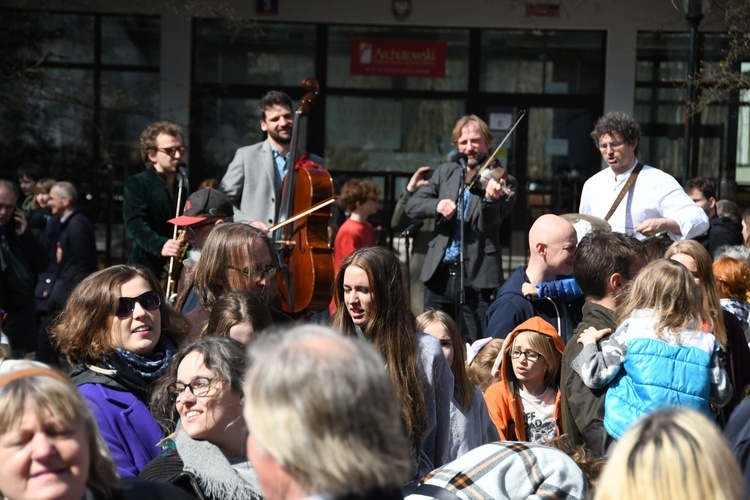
[
  {"x": 736, "y": 362},
  {"x": 169, "y": 467},
  {"x": 737, "y": 433},
  {"x": 583, "y": 408},
  {"x": 148, "y": 203},
  {"x": 511, "y": 308},
  {"x": 722, "y": 231},
  {"x": 482, "y": 235},
  {"x": 78, "y": 243}
]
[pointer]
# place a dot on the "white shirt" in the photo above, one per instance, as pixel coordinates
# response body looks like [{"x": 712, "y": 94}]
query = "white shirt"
[{"x": 655, "y": 194}]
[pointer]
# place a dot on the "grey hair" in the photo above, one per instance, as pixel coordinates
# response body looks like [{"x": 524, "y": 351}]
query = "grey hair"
[
  {"x": 68, "y": 190},
  {"x": 740, "y": 252},
  {"x": 324, "y": 408}
]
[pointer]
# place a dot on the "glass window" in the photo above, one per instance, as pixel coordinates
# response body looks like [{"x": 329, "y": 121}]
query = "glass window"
[
  {"x": 47, "y": 37},
  {"x": 257, "y": 54},
  {"x": 128, "y": 103},
  {"x": 542, "y": 62},
  {"x": 456, "y": 45},
  {"x": 372, "y": 134},
  {"x": 132, "y": 41}
]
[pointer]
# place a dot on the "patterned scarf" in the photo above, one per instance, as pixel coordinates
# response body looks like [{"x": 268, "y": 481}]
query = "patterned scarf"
[{"x": 136, "y": 372}]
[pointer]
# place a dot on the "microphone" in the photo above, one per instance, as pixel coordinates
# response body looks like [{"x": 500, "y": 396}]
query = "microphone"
[
  {"x": 461, "y": 159},
  {"x": 412, "y": 228},
  {"x": 182, "y": 171}
]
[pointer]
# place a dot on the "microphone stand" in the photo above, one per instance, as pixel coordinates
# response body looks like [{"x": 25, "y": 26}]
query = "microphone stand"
[{"x": 462, "y": 222}]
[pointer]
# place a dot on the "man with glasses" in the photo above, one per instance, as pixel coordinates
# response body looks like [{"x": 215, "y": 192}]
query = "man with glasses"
[
  {"x": 150, "y": 197},
  {"x": 204, "y": 209},
  {"x": 653, "y": 203}
]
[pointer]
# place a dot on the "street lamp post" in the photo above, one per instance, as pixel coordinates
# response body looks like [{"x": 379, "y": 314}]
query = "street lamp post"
[{"x": 694, "y": 11}]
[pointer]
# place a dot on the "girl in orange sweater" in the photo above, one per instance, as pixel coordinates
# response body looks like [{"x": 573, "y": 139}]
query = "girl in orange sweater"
[{"x": 525, "y": 403}]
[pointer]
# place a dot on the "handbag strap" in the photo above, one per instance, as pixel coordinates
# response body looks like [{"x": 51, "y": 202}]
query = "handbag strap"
[{"x": 625, "y": 188}]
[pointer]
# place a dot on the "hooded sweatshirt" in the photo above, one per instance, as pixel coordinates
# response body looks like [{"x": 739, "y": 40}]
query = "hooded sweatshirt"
[{"x": 502, "y": 398}]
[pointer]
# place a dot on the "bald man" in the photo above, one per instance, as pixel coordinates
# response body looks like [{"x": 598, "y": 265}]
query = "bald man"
[{"x": 552, "y": 243}]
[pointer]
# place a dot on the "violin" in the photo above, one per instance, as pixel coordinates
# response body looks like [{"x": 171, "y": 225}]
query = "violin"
[{"x": 492, "y": 169}]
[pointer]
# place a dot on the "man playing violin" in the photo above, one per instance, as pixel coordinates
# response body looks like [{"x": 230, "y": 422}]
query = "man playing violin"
[{"x": 484, "y": 211}]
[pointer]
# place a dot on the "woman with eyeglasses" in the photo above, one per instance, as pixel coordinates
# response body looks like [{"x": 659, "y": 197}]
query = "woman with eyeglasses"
[
  {"x": 236, "y": 257},
  {"x": 525, "y": 403},
  {"x": 120, "y": 334},
  {"x": 205, "y": 455}
]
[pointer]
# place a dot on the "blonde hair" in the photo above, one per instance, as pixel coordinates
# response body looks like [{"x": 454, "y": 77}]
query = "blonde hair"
[
  {"x": 57, "y": 402},
  {"x": 667, "y": 287},
  {"x": 711, "y": 301},
  {"x": 463, "y": 388},
  {"x": 480, "y": 369},
  {"x": 671, "y": 454},
  {"x": 545, "y": 346}
]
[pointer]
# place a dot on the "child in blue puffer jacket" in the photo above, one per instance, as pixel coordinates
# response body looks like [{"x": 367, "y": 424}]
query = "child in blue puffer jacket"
[{"x": 662, "y": 354}]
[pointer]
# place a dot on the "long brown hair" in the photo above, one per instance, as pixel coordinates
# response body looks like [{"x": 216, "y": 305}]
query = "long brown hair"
[
  {"x": 391, "y": 327},
  {"x": 83, "y": 328},
  {"x": 708, "y": 284},
  {"x": 463, "y": 389}
]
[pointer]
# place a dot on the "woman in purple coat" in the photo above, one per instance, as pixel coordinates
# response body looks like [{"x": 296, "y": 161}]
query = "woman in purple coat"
[{"x": 120, "y": 334}]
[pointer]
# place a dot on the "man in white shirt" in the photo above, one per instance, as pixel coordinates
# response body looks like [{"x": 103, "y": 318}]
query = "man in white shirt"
[{"x": 653, "y": 204}]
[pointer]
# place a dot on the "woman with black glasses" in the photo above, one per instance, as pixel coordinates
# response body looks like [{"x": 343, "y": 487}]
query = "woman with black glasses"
[
  {"x": 120, "y": 333},
  {"x": 205, "y": 455}
]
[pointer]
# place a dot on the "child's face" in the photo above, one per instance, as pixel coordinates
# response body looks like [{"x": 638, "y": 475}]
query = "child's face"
[
  {"x": 437, "y": 330},
  {"x": 42, "y": 198},
  {"x": 526, "y": 370}
]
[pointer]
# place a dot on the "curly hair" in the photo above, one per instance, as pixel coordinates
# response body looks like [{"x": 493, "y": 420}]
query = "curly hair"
[
  {"x": 618, "y": 124},
  {"x": 148, "y": 138},
  {"x": 357, "y": 192},
  {"x": 83, "y": 329}
]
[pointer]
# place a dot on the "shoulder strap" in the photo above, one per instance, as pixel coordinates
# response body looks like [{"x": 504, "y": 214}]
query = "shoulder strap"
[
  {"x": 625, "y": 188},
  {"x": 434, "y": 491}
]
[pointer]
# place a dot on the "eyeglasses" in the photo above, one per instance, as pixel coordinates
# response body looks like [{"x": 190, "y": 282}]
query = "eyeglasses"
[
  {"x": 199, "y": 387},
  {"x": 257, "y": 274},
  {"x": 171, "y": 151},
  {"x": 614, "y": 145},
  {"x": 528, "y": 354},
  {"x": 150, "y": 301}
]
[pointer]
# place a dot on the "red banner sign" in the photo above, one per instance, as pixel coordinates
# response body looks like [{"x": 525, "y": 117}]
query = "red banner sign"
[{"x": 398, "y": 58}]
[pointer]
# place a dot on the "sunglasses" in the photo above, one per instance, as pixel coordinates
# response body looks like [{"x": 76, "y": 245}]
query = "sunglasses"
[{"x": 150, "y": 301}]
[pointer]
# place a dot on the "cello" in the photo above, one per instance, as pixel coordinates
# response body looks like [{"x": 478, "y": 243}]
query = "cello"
[{"x": 301, "y": 236}]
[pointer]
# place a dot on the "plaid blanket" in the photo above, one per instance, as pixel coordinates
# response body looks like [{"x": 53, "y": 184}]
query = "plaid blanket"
[{"x": 508, "y": 470}]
